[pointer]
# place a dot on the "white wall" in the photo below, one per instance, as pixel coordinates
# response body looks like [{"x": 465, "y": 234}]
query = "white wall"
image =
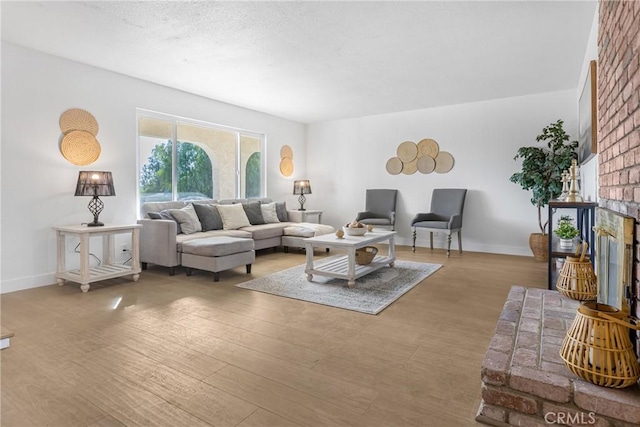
[
  {"x": 38, "y": 183},
  {"x": 345, "y": 157},
  {"x": 589, "y": 170}
]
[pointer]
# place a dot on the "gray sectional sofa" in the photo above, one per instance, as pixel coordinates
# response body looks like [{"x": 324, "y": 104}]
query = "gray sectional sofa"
[{"x": 168, "y": 225}]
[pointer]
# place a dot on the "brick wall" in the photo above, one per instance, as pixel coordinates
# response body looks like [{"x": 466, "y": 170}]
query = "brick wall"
[{"x": 618, "y": 92}]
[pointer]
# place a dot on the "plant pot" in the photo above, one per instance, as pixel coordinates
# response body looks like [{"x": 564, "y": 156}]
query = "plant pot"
[
  {"x": 566, "y": 243},
  {"x": 539, "y": 244}
]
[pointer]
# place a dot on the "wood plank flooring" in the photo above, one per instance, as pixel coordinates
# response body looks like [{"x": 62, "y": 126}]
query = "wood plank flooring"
[{"x": 185, "y": 351}]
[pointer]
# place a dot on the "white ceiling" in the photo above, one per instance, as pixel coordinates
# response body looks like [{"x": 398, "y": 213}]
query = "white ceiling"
[{"x": 318, "y": 61}]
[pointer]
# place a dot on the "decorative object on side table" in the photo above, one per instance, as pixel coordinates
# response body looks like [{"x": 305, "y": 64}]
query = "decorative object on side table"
[
  {"x": 541, "y": 171},
  {"x": 566, "y": 231},
  {"x": 95, "y": 184},
  {"x": 302, "y": 187},
  {"x": 574, "y": 188}
]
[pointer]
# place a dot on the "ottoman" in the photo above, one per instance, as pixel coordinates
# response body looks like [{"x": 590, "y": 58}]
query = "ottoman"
[
  {"x": 216, "y": 254},
  {"x": 295, "y": 235}
]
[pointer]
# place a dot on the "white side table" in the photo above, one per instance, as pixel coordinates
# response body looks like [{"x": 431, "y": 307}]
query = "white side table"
[
  {"x": 306, "y": 216},
  {"x": 108, "y": 268}
]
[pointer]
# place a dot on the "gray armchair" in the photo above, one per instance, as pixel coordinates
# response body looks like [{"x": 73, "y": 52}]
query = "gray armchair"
[
  {"x": 447, "y": 205},
  {"x": 380, "y": 208}
]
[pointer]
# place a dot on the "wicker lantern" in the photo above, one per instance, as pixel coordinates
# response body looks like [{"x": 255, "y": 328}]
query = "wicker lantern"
[
  {"x": 577, "y": 279},
  {"x": 597, "y": 347}
]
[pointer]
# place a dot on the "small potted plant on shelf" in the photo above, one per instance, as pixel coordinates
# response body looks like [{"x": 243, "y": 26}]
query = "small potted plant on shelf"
[{"x": 566, "y": 231}]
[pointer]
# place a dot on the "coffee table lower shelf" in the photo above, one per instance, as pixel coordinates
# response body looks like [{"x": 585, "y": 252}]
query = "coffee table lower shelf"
[{"x": 339, "y": 268}]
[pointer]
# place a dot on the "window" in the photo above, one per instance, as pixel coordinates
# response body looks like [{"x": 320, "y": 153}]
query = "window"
[{"x": 181, "y": 159}]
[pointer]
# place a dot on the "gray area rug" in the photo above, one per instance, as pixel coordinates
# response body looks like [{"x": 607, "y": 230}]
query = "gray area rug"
[{"x": 371, "y": 294}]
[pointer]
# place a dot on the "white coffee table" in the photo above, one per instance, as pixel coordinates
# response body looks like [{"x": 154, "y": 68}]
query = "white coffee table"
[{"x": 345, "y": 267}]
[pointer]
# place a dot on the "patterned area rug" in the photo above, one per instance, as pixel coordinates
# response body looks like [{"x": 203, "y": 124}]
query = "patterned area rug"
[{"x": 371, "y": 294}]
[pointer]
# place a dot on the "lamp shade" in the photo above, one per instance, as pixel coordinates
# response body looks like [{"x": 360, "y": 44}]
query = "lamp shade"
[
  {"x": 302, "y": 187},
  {"x": 95, "y": 183}
]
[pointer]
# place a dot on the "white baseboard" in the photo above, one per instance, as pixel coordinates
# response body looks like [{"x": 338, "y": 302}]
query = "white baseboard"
[{"x": 29, "y": 282}]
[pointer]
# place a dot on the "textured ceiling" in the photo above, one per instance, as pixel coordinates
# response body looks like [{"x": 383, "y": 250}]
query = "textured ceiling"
[{"x": 317, "y": 61}]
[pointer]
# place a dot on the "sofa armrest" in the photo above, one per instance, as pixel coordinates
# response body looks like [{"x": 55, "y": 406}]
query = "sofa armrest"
[
  {"x": 294, "y": 216},
  {"x": 158, "y": 243}
]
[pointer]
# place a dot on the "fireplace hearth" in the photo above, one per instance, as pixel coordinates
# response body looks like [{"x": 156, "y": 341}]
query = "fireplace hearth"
[{"x": 524, "y": 379}]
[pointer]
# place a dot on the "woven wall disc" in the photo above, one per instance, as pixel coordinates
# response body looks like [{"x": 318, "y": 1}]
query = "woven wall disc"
[
  {"x": 426, "y": 164},
  {"x": 78, "y": 119},
  {"x": 407, "y": 151},
  {"x": 286, "y": 151},
  {"x": 428, "y": 147},
  {"x": 80, "y": 147},
  {"x": 394, "y": 166},
  {"x": 409, "y": 168},
  {"x": 286, "y": 166},
  {"x": 444, "y": 162}
]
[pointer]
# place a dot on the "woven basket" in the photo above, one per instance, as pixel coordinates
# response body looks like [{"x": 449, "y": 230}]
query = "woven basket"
[
  {"x": 365, "y": 255},
  {"x": 539, "y": 244},
  {"x": 577, "y": 279},
  {"x": 597, "y": 347}
]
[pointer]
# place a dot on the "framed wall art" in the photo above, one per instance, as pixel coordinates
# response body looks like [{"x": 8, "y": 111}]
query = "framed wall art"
[{"x": 587, "y": 117}]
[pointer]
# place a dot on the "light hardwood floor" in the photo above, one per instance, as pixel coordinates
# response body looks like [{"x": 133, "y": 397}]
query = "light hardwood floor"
[{"x": 185, "y": 351}]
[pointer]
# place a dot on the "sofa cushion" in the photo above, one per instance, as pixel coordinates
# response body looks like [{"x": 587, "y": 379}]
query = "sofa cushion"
[
  {"x": 233, "y": 216},
  {"x": 254, "y": 213},
  {"x": 307, "y": 229},
  {"x": 209, "y": 217},
  {"x": 187, "y": 218},
  {"x": 217, "y": 246},
  {"x": 269, "y": 213},
  {"x": 166, "y": 216},
  {"x": 265, "y": 231},
  {"x": 281, "y": 209}
]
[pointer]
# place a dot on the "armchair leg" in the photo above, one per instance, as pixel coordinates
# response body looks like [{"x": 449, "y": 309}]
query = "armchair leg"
[
  {"x": 431, "y": 239},
  {"x": 460, "y": 241},
  {"x": 448, "y": 245},
  {"x": 413, "y": 248}
]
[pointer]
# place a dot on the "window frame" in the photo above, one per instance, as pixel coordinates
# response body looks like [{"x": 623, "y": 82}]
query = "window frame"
[{"x": 178, "y": 120}]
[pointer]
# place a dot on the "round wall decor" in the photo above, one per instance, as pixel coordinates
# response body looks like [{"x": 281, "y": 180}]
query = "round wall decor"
[
  {"x": 407, "y": 151},
  {"x": 409, "y": 168},
  {"x": 80, "y": 147},
  {"x": 286, "y": 166},
  {"x": 428, "y": 147},
  {"x": 286, "y": 151},
  {"x": 78, "y": 119},
  {"x": 426, "y": 164},
  {"x": 444, "y": 162},
  {"x": 394, "y": 166}
]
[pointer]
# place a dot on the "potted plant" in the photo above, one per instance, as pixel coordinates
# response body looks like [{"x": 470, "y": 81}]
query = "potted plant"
[
  {"x": 541, "y": 173},
  {"x": 566, "y": 231}
]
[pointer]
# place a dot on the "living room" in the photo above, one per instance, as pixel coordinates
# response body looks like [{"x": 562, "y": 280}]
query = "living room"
[{"x": 341, "y": 156}]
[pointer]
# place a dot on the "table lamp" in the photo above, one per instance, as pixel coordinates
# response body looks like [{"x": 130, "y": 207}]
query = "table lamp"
[
  {"x": 95, "y": 184},
  {"x": 302, "y": 187}
]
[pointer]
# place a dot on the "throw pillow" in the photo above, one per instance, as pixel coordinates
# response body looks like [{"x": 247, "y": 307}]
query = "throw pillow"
[
  {"x": 167, "y": 216},
  {"x": 233, "y": 216},
  {"x": 254, "y": 213},
  {"x": 269, "y": 212},
  {"x": 209, "y": 216},
  {"x": 187, "y": 218},
  {"x": 281, "y": 209}
]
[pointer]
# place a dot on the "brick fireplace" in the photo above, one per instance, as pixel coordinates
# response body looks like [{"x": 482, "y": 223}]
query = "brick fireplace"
[{"x": 618, "y": 88}]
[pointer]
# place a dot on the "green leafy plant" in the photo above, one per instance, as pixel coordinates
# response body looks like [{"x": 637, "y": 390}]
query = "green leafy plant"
[
  {"x": 542, "y": 167},
  {"x": 566, "y": 229}
]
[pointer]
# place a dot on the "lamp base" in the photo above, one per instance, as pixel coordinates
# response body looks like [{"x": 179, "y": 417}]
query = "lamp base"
[{"x": 95, "y": 224}]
